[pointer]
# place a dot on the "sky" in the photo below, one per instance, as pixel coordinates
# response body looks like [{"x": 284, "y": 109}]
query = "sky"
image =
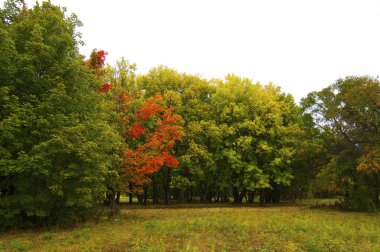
[{"x": 299, "y": 45}]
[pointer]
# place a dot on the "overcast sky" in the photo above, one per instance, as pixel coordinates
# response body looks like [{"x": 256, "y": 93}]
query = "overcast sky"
[{"x": 300, "y": 45}]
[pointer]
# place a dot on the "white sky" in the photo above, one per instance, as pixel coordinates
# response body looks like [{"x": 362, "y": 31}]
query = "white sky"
[{"x": 300, "y": 45}]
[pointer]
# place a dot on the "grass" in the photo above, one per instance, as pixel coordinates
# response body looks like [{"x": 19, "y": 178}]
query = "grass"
[{"x": 210, "y": 228}]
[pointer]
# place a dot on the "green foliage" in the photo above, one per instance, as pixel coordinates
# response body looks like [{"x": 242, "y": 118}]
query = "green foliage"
[
  {"x": 61, "y": 139},
  {"x": 348, "y": 117},
  {"x": 259, "y": 129},
  {"x": 57, "y": 143},
  {"x": 238, "y": 134}
]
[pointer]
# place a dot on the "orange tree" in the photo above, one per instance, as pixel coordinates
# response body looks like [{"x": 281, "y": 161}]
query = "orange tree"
[
  {"x": 151, "y": 133},
  {"x": 150, "y": 130}
]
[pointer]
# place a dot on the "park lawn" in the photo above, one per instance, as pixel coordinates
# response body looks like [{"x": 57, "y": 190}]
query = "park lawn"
[{"x": 210, "y": 228}]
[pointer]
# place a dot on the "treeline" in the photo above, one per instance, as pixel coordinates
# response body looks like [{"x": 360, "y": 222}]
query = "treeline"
[
  {"x": 76, "y": 134},
  {"x": 241, "y": 138}
]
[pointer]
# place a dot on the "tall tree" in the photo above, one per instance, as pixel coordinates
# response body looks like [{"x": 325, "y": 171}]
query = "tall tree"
[
  {"x": 191, "y": 96},
  {"x": 57, "y": 143},
  {"x": 348, "y": 116},
  {"x": 151, "y": 135},
  {"x": 260, "y": 127}
]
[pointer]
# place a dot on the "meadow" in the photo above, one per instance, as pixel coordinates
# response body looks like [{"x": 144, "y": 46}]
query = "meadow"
[{"x": 210, "y": 227}]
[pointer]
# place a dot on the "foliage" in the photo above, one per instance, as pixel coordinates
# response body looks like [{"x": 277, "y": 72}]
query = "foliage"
[
  {"x": 57, "y": 145},
  {"x": 348, "y": 116},
  {"x": 151, "y": 135},
  {"x": 259, "y": 130},
  {"x": 74, "y": 132},
  {"x": 229, "y": 128}
]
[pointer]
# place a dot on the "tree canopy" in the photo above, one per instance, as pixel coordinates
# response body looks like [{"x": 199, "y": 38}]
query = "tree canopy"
[
  {"x": 347, "y": 113},
  {"x": 57, "y": 141},
  {"x": 76, "y": 133}
]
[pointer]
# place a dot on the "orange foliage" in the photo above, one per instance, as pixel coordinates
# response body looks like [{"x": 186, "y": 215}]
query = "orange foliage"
[
  {"x": 152, "y": 165},
  {"x": 96, "y": 64},
  {"x": 151, "y": 131},
  {"x": 369, "y": 161},
  {"x": 148, "y": 109},
  {"x": 135, "y": 131},
  {"x": 97, "y": 59},
  {"x": 105, "y": 87},
  {"x": 123, "y": 97},
  {"x": 151, "y": 140},
  {"x": 170, "y": 161}
]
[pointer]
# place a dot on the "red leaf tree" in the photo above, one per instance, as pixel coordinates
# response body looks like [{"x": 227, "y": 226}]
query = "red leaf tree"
[
  {"x": 96, "y": 63},
  {"x": 151, "y": 131},
  {"x": 97, "y": 59},
  {"x": 150, "y": 139}
]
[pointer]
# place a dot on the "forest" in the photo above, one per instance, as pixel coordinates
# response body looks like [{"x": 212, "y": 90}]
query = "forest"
[{"x": 77, "y": 134}]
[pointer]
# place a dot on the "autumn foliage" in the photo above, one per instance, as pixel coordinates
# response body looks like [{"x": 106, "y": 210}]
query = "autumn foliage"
[
  {"x": 150, "y": 130},
  {"x": 96, "y": 63},
  {"x": 105, "y": 87},
  {"x": 151, "y": 139},
  {"x": 97, "y": 59},
  {"x": 369, "y": 162}
]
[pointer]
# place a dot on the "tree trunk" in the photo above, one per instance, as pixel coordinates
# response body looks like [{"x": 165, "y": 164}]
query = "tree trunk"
[
  {"x": 217, "y": 197},
  {"x": 130, "y": 194},
  {"x": 206, "y": 194},
  {"x": 242, "y": 195},
  {"x": 179, "y": 195},
  {"x": 262, "y": 196},
  {"x": 276, "y": 193},
  {"x": 209, "y": 195},
  {"x": 155, "y": 190},
  {"x": 201, "y": 196},
  {"x": 117, "y": 197},
  {"x": 251, "y": 197},
  {"x": 145, "y": 196},
  {"x": 377, "y": 191},
  {"x": 130, "y": 198},
  {"x": 238, "y": 197},
  {"x": 235, "y": 192},
  {"x": 191, "y": 194},
  {"x": 224, "y": 195},
  {"x": 167, "y": 187},
  {"x": 140, "y": 198},
  {"x": 110, "y": 195}
]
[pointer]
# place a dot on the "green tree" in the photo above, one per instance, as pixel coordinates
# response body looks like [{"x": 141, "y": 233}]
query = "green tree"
[
  {"x": 240, "y": 137},
  {"x": 57, "y": 143},
  {"x": 347, "y": 114},
  {"x": 260, "y": 127}
]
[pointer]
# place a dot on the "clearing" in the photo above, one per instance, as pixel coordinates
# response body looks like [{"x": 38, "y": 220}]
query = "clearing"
[{"x": 210, "y": 228}]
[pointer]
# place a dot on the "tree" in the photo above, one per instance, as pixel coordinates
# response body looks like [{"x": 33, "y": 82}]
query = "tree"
[
  {"x": 57, "y": 142},
  {"x": 149, "y": 129},
  {"x": 191, "y": 95},
  {"x": 347, "y": 114},
  {"x": 239, "y": 135},
  {"x": 260, "y": 128},
  {"x": 151, "y": 135}
]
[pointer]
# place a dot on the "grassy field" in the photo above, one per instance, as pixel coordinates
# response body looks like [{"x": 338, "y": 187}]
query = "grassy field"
[{"x": 210, "y": 228}]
